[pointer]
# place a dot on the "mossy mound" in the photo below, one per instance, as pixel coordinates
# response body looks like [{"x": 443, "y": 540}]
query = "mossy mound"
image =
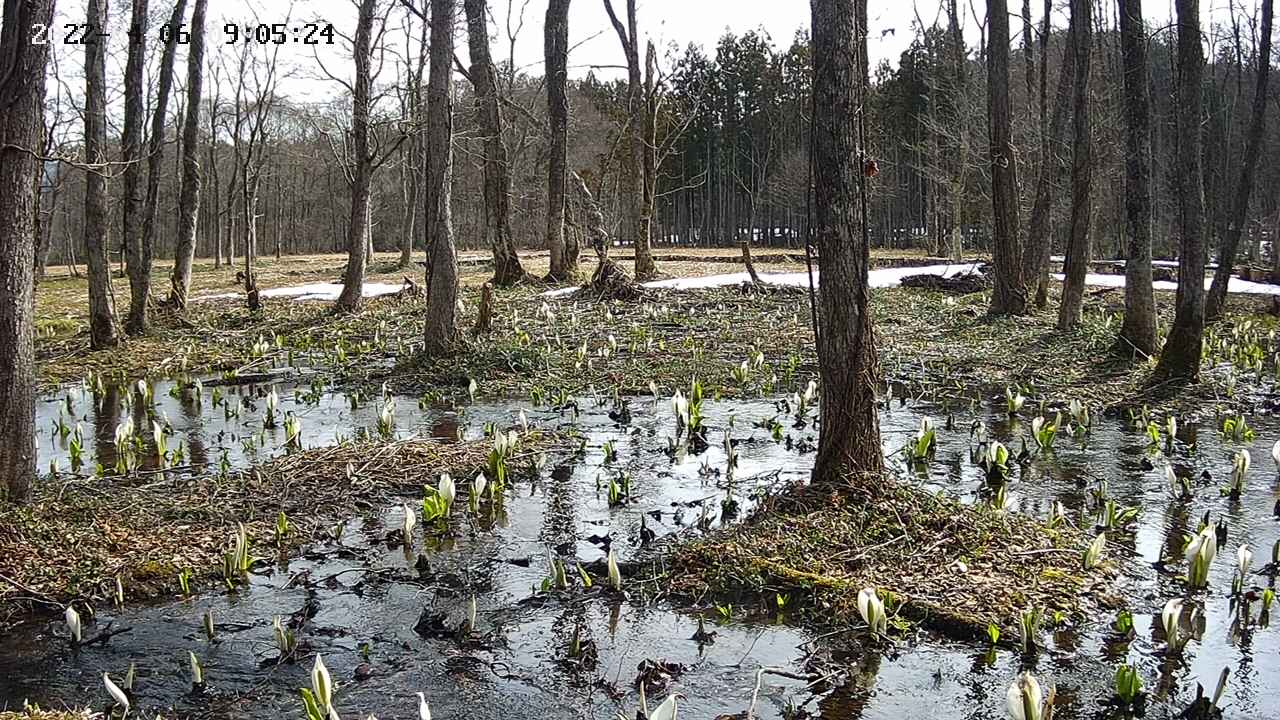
[{"x": 953, "y": 568}]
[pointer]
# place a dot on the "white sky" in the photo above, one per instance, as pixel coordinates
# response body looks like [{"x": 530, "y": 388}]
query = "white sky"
[{"x": 592, "y": 39}]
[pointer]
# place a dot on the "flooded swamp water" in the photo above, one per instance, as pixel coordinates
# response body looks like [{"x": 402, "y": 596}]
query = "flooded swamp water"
[{"x": 382, "y": 616}]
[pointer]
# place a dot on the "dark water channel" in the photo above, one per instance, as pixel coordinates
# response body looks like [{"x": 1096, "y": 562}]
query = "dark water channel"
[{"x": 367, "y": 597}]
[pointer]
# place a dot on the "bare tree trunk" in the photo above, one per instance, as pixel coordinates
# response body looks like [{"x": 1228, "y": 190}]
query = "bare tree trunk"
[
  {"x": 131, "y": 151},
  {"x": 189, "y": 199},
  {"x": 142, "y": 247},
  {"x": 22, "y": 80},
  {"x": 102, "y": 323},
  {"x": 361, "y": 163},
  {"x": 1010, "y": 294},
  {"x": 1244, "y": 188},
  {"x": 507, "y": 270},
  {"x": 1138, "y": 333},
  {"x": 1181, "y": 355},
  {"x": 649, "y": 154},
  {"x": 1039, "y": 241},
  {"x": 441, "y": 330},
  {"x": 1079, "y": 248},
  {"x": 850, "y": 437},
  {"x": 564, "y": 251},
  {"x": 631, "y": 181}
]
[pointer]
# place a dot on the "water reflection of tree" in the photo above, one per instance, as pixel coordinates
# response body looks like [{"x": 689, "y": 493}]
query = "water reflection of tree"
[{"x": 106, "y": 416}]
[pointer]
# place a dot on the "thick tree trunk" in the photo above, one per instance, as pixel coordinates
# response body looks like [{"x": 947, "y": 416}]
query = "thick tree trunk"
[
  {"x": 361, "y": 163},
  {"x": 1181, "y": 355},
  {"x": 22, "y": 80},
  {"x": 507, "y": 270},
  {"x": 1138, "y": 333},
  {"x": 189, "y": 198},
  {"x": 102, "y": 324},
  {"x": 1079, "y": 247},
  {"x": 1244, "y": 188},
  {"x": 441, "y": 331},
  {"x": 1010, "y": 294},
  {"x": 131, "y": 210},
  {"x": 564, "y": 251},
  {"x": 850, "y": 437}
]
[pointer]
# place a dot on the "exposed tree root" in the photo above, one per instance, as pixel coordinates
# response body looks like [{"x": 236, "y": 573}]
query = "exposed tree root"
[{"x": 611, "y": 282}]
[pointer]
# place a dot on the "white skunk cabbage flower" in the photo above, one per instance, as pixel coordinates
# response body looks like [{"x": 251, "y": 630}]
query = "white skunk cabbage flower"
[
  {"x": 322, "y": 686},
  {"x": 410, "y": 520},
  {"x": 424, "y": 710},
  {"x": 1170, "y": 621},
  {"x": 1275, "y": 454},
  {"x": 666, "y": 711},
  {"x": 810, "y": 392},
  {"x": 448, "y": 491},
  {"x": 523, "y": 421},
  {"x": 1200, "y": 553},
  {"x": 1244, "y": 561},
  {"x": 871, "y": 607},
  {"x": 117, "y": 695},
  {"x": 1025, "y": 698},
  {"x": 615, "y": 575},
  {"x": 477, "y": 491},
  {"x": 74, "y": 626},
  {"x": 680, "y": 406}
]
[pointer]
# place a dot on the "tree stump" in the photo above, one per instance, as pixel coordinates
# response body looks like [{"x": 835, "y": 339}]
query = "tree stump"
[{"x": 484, "y": 320}]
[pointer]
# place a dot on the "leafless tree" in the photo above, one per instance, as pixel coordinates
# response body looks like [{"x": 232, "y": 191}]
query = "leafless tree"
[
  {"x": 507, "y": 270},
  {"x": 564, "y": 250},
  {"x": 441, "y": 330},
  {"x": 131, "y": 155},
  {"x": 1248, "y": 172},
  {"x": 1079, "y": 249},
  {"x": 1138, "y": 333},
  {"x": 22, "y": 84},
  {"x": 1180, "y": 358},
  {"x": 102, "y": 322},
  {"x": 850, "y": 440},
  {"x": 189, "y": 199},
  {"x": 1010, "y": 294},
  {"x": 632, "y": 181}
]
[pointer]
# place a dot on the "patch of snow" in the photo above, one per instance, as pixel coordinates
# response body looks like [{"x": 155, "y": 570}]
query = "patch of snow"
[
  {"x": 892, "y": 277},
  {"x": 1236, "y": 285},
  {"x": 315, "y": 291}
]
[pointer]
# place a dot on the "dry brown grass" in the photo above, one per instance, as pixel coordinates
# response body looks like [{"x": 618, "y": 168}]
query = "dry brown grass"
[{"x": 79, "y": 535}]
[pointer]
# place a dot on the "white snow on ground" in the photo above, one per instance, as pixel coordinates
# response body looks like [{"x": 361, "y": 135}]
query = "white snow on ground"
[
  {"x": 314, "y": 291},
  {"x": 891, "y": 277},
  {"x": 1236, "y": 285}
]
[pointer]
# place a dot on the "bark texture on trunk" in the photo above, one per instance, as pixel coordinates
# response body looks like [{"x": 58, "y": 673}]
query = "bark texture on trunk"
[
  {"x": 441, "y": 331},
  {"x": 22, "y": 81},
  {"x": 102, "y": 322},
  {"x": 360, "y": 163},
  {"x": 507, "y": 270},
  {"x": 1010, "y": 294},
  {"x": 1138, "y": 333},
  {"x": 1180, "y": 358},
  {"x": 1248, "y": 172},
  {"x": 632, "y": 182},
  {"x": 140, "y": 286},
  {"x": 189, "y": 197},
  {"x": 1036, "y": 251},
  {"x": 131, "y": 209},
  {"x": 849, "y": 441},
  {"x": 563, "y": 248},
  {"x": 1079, "y": 247}
]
